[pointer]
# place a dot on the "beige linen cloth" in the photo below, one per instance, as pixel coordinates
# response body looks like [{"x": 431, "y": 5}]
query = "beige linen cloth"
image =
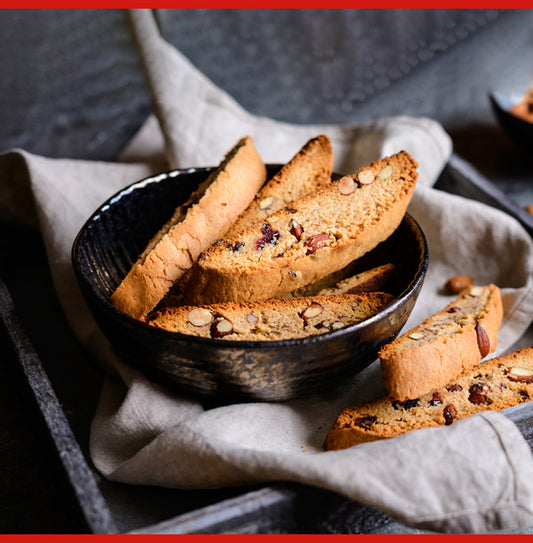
[{"x": 473, "y": 476}]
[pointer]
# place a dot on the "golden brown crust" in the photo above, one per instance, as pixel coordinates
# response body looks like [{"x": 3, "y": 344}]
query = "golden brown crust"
[
  {"x": 270, "y": 320},
  {"x": 228, "y": 190},
  {"x": 309, "y": 170},
  {"x": 492, "y": 385},
  {"x": 445, "y": 344},
  {"x": 311, "y": 238}
]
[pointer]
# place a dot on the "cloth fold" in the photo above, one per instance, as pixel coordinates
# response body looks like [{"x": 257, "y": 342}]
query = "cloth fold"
[{"x": 473, "y": 476}]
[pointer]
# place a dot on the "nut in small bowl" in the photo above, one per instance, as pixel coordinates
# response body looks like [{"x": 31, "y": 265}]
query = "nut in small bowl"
[
  {"x": 218, "y": 368},
  {"x": 514, "y": 111}
]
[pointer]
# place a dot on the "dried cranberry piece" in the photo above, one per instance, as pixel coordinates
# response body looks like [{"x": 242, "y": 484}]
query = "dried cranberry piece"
[
  {"x": 454, "y": 388},
  {"x": 235, "y": 246},
  {"x": 436, "y": 399},
  {"x": 524, "y": 395},
  {"x": 478, "y": 393},
  {"x": 269, "y": 236},
  {"x": 364, "y": 422},
  {"x": 407, "y": 404},
  {"x": 449, "y": 414}
]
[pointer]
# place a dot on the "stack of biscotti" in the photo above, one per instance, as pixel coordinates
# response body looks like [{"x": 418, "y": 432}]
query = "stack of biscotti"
[
  {"x": 271, "y": 319},
  {"x": 208, "y": 214},
  {"x": 495, "y": 384},
  {"x": 307, "y": 171},
  {"x": 434, "y": 373},
  {"x": 445, "y": 344},
  {"x": 300, "y": 220},
  {"x": 308, "y": 239}
]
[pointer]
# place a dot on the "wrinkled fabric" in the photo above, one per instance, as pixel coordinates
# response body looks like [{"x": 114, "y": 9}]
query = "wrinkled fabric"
[{"x": 473, "y": 476}]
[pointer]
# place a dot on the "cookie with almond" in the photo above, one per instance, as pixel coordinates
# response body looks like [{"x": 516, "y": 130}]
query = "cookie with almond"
[
  {"x": 310, "y": 238},
  {"x": 496, "y": 384},
  {"x": 444, "y": 345}
]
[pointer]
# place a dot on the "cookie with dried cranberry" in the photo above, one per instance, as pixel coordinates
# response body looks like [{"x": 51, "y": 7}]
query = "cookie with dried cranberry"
[
  {"x": 493, "y": 385},
  {"x": 310, "y": 238},
  {"x": 270, "y": 320}
]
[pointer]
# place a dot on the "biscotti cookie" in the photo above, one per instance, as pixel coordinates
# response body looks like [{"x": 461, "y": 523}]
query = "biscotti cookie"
[
  {"x": 270, "y": 320},
  {"x": 375, "y": 279},
  {"x": 194, "y": 226},
  {"x": 444, "y": 345},
  {"x": 492, "y": 385},
  {"x": 309, "y": 170},
  {"x": 309, "y": 239}
]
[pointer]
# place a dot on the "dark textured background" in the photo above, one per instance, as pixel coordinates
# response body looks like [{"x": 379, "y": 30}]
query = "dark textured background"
[{"x": 71, "y": 86}]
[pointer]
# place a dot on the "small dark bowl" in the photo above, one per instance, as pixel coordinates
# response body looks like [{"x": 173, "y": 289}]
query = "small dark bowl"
[
  {"x": 518, "y": 129},
  {"x": 113, "y": 237}
]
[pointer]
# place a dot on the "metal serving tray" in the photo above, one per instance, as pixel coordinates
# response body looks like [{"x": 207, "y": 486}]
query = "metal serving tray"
[{"x": 65, "y": 385}]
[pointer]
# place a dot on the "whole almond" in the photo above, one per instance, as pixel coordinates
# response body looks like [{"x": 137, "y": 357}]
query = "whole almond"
[
  {"x": 476, "y": 291},
  {"x": 312, "y": 310},
  {"x": 316, "y": 242},
  {"x": 520, "y": 375},
  {"x": 365, "y": 177},
  {"x": 296, "y": 229},
  {"x": 346, "y": 185},
  {"x": 483, "y": 340},
  {"x": 199, "y": 316},
  {"x": 386, "y": 172},
  {"x": 265, "y": 203},
  {"x": 456, "y": 284},
  {"x": 221, "y": 327}
]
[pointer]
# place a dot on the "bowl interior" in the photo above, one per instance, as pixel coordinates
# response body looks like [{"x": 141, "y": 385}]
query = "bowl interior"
[{"x": 118, "y": 231}]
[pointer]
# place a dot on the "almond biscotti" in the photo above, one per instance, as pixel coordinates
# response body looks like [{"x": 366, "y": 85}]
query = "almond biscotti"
[
  {"x": 445, "y": 344},
  {"x": 270, "y": 320},
  {"x": 309, "y": 170},
  {"x": 308, "y": 239},
  {"x": 495, "y": 384},
  {"x": 194, "y": 226},
  {"x": 378, "y": 279},
  {"x": 375, "y": 279}
]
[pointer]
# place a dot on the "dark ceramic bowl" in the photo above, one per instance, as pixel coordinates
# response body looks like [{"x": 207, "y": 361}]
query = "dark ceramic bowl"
[
  {"x": 518, "y": 129},
  {"x": 113, "y": 237}
]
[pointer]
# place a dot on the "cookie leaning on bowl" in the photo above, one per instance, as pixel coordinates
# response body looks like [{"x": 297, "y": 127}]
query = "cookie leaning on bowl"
[
  {"x": 445, "y": 344},
  {"x": 207, "y": 215},
  {"x": 496, "y": 384},
  {"x": 308, "y": 239},
  {"x": 270, "y": 320}
]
